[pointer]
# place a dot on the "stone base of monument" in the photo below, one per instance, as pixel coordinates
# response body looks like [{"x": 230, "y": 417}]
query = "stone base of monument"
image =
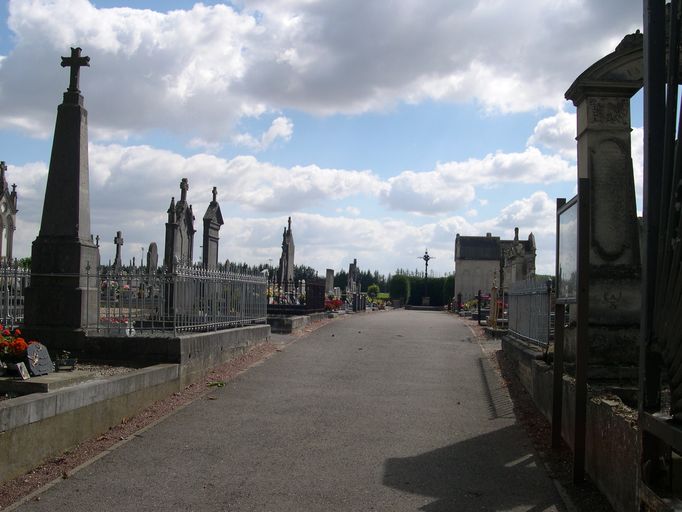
[{"x": 289, "y": 324}]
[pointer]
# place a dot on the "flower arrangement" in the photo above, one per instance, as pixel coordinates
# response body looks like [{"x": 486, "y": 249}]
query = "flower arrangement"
[
  {"x": 332, "y": 304},
  {"x": 12, "y": 346},
  {"x": 114, "y": 320}
]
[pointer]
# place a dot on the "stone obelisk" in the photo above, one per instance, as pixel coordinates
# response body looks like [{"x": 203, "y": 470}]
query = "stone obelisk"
[{"x": 62, "y": 297}]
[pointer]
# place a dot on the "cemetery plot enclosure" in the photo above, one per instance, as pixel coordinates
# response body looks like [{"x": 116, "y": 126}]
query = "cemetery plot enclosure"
[
  {"x": 529, "y": 311},
  {"x": 134, "y": 301}
]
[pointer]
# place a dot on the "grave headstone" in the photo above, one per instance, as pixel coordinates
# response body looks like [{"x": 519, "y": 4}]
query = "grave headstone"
[
  {"x": 213, "y": 219},
  {"x": 329, "y": 282},
  {"x": 39, "y": 362},
  {"x": 353, "y": 275},
  {"x": 152, "y": 258},
  {"x": 118, "y": 241},
  {"x": 179, "y": 245}
]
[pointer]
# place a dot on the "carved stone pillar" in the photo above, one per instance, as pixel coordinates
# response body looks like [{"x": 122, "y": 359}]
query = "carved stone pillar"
[{"x": 602, "y": 97}]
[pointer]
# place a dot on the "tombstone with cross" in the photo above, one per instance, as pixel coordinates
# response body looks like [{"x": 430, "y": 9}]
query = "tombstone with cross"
[
  {"x": 61, "y": 301},
  {"x": 118, "y": 241}
]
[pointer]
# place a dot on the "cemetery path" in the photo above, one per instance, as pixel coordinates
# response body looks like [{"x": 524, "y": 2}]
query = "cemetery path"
[{"x": 388, "y": 411}]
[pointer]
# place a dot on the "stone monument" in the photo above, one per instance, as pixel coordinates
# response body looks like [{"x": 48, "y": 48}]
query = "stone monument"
[
  {"x": 64, "y": 259},
  {"x": 329, "y": 282},
  {"x": 180, "y": 231},
  {"x": 152, "y": 258},
  {"x": 213, "y": 219},
  {"x": 602, "y": 96},
  {"x": 8, "y": 215},
  {"x": 285, "y": 272},
  {"x": 353, "y": 277},
  {"x": 118, "y": 242}
]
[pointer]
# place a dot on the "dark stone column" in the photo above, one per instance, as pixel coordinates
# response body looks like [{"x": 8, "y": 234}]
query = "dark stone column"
[{"x": 61, "y": 296}]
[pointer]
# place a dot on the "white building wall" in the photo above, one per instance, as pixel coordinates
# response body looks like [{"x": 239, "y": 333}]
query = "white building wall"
[{"x": 474, "y": 275}]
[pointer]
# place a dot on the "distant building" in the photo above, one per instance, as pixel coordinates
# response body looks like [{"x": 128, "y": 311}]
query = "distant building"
[{"x": 481, "y": 261}]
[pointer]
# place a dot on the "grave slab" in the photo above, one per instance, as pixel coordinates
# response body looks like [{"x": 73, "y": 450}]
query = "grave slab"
[{"x": 44, "y": 383}]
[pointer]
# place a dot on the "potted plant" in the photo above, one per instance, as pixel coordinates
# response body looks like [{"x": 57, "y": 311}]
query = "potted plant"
[{"x": 64, "y": 362}]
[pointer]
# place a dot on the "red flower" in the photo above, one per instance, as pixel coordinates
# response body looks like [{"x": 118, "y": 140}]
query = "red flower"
[
  {"x": 19, "y": 346},
  {"x": 17, "y": 332},
  {"x": 6, "y": 332}
]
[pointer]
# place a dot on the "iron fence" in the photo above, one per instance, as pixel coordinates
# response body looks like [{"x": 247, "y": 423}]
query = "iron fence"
[
  {"x": 529, "y": 311},
  {"x": 296, "y": 298},
  {"x": 190, "y": 298},
  {"x": 13, "y": 282},
  {"x": 134, "y": 300}
]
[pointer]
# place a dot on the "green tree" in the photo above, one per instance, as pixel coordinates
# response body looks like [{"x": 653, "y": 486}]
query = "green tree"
[
  {"x": 304, "y": 272},
  {"x": 373, "y": 290},
  {"x": 341, "y": 279},
  {"x": 399, "y": 287}
]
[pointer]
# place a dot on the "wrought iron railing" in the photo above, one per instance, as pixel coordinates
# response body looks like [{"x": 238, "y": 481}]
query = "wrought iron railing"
[
  {"x": 293, "y": 298},
  {"x": 13, "y": 282},
  {"x": 529, "y": 311},
  {"x": 136, "y": 301}
]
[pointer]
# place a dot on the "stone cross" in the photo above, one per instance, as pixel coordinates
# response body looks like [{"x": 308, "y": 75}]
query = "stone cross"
[
  {"x": 75, "y": 62},
  {"x": 119, "y": 242},
  {"x": 215, "y": 194},
  {"x": 97, "y": 241}
]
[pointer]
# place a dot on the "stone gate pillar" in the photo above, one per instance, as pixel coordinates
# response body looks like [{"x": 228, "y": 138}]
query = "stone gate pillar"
[{"x": 602, "y": 97}]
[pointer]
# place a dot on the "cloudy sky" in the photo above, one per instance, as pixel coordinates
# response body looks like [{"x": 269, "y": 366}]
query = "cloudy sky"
[{"x": 382, "y": 128}]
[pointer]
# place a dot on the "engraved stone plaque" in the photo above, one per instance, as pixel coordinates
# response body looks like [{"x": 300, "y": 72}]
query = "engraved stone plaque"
[{"x": 39, "y": 362}]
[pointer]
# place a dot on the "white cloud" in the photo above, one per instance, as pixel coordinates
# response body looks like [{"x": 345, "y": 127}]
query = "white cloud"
[
  {"x": 201, "y": 70},
  {"x": 529, "y": 166},
  {"x": 536, "y": 213},
  {"x": 244, "y": 183},
  {"x": 556, "y": 133},
  {"x": 281, "y": 128},
  {"x": 426, "y": 192}
]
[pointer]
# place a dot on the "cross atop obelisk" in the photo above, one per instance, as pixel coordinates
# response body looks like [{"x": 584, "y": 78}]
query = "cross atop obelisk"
[{"x": 75, "y": 62}]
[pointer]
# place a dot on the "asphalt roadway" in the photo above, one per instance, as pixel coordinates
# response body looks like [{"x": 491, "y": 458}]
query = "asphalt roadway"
[{"x": 388, "y": 411}]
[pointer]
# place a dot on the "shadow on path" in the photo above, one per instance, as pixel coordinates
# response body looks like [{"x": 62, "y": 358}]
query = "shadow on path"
[{"x": 491, "y": 472}]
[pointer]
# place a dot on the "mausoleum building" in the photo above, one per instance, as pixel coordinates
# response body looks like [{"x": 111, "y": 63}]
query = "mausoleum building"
[{"x": 484, "y": 261}]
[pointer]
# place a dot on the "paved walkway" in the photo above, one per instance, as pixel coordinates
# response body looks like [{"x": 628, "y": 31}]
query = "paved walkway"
[{"x": 389, "y": 411}]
